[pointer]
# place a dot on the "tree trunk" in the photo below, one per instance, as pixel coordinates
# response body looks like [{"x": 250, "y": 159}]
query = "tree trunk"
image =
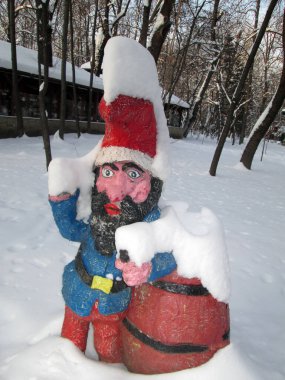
[
  {"x": 16, "y": 103},
  {"x": 145, "y": 23},
  {"x": 75, "y": 105},
  {"x": 249, "y": 83},
  {"x": 63, "y": 68},
  {"x": 200, "y": 95},
  {"x": 45, "y": 32},
  {"x": 120, "y": 15},
  {"x": 267, "y": 117},
  {"x": 92, "y": 68},
  {"x": 115, "y": 26},
  {"x": 42, "y": 21},
  {"x": 109, "y": 29},
  {"x": 159, "y": 35},
  {"x": 106, "y": 32},
  {"x": 181, "y": 58},
  {"x": 238, "y": 91}
]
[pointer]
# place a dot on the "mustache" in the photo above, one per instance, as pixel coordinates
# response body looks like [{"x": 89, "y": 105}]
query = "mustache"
[{"x": 128, "y": 207}]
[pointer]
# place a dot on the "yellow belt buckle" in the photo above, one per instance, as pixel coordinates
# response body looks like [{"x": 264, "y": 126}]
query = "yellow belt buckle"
[{"x": 102, "y": 283}]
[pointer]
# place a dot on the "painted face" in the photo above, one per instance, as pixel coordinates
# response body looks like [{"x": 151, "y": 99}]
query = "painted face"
[
  {"x": 121, "y": 179},
  {"x": 111, "y": 208}
]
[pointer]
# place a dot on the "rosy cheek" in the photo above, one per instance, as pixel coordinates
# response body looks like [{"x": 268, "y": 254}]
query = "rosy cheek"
[
  {"x": 101, "y": 184},
  {"x": 141, "y": 192}
]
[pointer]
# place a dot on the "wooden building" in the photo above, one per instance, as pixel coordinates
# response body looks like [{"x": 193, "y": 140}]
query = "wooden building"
[{"x": 28, "y": 84}]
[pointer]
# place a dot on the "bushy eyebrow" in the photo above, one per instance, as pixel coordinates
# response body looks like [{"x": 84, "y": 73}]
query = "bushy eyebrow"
[
  {"x": 132, "y": 165},
  {"x": 112, "y": 166}
]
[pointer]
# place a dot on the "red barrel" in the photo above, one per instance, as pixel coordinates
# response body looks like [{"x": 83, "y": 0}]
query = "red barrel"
[{"x": 173, "y": 324}]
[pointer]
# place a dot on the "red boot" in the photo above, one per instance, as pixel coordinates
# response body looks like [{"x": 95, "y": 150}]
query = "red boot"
[
  {"x": 75, "y": 328},
  {"x": 107, "y": 341},
  {"x": 107, "y": 335}
]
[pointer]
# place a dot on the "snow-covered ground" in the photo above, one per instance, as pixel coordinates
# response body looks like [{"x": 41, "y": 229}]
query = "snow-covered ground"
[{"x": 251, "y": 206}]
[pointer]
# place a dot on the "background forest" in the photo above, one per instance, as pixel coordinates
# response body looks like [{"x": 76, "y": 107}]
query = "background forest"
[{"x": 224, "y": 57}]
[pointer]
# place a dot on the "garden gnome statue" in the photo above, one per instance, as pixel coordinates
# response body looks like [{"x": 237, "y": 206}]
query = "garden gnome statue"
[{"x": 172, "y": 322}]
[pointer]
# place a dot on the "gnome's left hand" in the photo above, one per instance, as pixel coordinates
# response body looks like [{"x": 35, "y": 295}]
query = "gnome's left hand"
[{"x": 132, "y": 274}]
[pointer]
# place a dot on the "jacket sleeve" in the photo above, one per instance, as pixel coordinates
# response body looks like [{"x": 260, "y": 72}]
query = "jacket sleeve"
[
  {"x": 64, "y": 213},
  {"x": 162, "y": 264}
]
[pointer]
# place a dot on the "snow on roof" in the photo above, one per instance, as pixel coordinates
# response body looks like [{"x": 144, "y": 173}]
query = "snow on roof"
[
  {"x": 27, "y": 61},
  {"x": 86, "y": 66}
]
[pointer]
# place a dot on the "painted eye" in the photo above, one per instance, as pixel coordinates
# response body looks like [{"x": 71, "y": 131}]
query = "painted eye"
[
  {"x": 107, "y": 173},
  {"x": 133, "y": 174}
]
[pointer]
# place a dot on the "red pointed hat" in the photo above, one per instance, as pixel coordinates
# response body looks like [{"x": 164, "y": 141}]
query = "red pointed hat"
[
  {"x": 130, "y": 131},
  {"x": 135, "y": 124}
]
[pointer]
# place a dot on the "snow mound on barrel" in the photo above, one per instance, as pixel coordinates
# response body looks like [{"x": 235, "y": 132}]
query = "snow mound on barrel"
[{"x": 195, "y": 239}]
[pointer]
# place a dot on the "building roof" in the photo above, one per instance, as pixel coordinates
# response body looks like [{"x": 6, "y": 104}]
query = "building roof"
[{"x": 27, "y": 62}]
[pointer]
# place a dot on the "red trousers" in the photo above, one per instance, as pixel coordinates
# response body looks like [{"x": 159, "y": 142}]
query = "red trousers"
[{"x": 107, "y": 333}]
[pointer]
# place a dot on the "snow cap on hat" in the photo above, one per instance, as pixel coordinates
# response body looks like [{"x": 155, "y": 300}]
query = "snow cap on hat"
[{"x": 135, "y": 123}]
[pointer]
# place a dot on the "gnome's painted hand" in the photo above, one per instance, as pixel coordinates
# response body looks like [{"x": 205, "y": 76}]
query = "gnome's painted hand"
[
  {"x": 132, "y": 274},
  {"x": 61, "y": 197}
]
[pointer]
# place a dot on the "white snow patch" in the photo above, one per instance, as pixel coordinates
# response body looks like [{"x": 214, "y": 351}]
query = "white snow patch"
[
  {"x": 251, "y": 202},
  {"x": 196, "y": 240},
  {"x": 126, "y": 63},
  {"x": 56, "y": 358},
  {"x": 70, "y": 174}
]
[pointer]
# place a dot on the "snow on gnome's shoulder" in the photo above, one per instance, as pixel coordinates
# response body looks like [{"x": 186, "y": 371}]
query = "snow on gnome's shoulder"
[{"x": 197, "y": 244}]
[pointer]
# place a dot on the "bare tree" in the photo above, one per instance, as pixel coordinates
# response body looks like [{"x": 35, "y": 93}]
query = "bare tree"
[
  {"x": 181, "y": 57},
  {"x": 161, "y": 27},
  {"x": 249, "y": 81},
  {"x": 66, "y": 4},
  {"x": 217, "y": 52},
  {"x": 267, "y": 117},
  {"x": 105, "y": 26},
  {"x": 238, "y": 91},
  {"x": 92, "y": 68},
  {"x": 42, "y": 21},
  {"x": 75, "y": 104},
  {"x": 109, "y": 28},
  {"x": 145, "y": 23},
  {"x": 16, "y": 105},
  {"x": 45, "y": 32},
  {"x": 190, "y": 62}
]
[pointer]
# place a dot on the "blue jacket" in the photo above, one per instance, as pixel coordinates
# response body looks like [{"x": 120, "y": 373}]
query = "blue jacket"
[{"x": 77, "y": 295}]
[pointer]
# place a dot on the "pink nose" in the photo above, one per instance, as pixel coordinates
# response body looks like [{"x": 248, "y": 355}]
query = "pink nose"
[
  {"x": 116, "y": 197},
  {"x": 117, "y": 192}
]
